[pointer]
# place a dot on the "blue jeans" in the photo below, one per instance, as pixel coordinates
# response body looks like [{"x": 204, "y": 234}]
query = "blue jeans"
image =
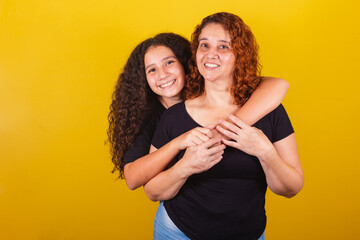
[{"x": 164, "y": 228}]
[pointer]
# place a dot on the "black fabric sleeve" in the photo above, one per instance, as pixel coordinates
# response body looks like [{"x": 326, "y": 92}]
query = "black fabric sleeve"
[
  {"x": 140, "y": 146},
  {"x": 164, "y": 132},
  {"x": 282, "y": 125}
]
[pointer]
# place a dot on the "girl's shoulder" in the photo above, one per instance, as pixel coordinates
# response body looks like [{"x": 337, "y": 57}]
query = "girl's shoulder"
[{"x": 178, "y": 107}]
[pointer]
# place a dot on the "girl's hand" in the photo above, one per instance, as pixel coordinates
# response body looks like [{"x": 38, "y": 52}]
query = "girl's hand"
[
  {"x": 194, "y": 137},
  {"x": 202, "y": 157},
  {"x": 245, "y": 138}
]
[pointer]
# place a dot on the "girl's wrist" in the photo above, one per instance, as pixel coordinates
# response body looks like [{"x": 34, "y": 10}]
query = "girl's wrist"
[{"x": 177, "y": 143}]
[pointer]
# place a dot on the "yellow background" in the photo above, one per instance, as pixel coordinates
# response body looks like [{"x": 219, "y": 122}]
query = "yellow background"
[{"x": 59, "y": 61}]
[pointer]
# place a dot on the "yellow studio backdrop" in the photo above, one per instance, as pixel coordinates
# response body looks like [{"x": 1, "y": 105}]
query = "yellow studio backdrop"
[{"x": 59, "y": 61}]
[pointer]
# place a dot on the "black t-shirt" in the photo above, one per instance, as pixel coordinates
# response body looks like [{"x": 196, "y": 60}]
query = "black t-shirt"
[
  {"x": 141, "y": 144},
  {"x": 227, "y": 201}
]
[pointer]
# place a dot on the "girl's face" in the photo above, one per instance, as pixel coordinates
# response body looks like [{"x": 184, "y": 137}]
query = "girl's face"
[
  {"x": 164, "y": 73},
  {"x": 214, "y": 57}
]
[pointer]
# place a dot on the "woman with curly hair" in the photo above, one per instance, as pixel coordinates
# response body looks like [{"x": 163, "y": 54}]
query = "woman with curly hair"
[
  {"x": 152, "y": 80},
  {"x": 204, "y": 195}
]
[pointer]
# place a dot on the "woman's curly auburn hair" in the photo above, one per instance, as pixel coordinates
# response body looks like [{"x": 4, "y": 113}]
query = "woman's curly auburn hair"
[
  {"x": 133, "y": 102},
  {"x": 247, "y": 68}
]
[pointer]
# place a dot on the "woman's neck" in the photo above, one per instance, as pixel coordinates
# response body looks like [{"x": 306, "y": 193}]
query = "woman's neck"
[
  {"x": 217, "y": 94},
  {"x": 213, "y": 105}
]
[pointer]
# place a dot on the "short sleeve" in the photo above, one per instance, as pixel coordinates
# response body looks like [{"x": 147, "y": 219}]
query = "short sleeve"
[
  {"x": 282, "y": 125},
  {"x": 141, "y": 144},
  {"x": 139, "y": 148},
  {"x": 162, "y": 133}
]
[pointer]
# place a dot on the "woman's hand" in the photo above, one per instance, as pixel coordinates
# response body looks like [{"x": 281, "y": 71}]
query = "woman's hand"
[
  {"x": 194, "y": 137},
  {"x": 246, "y": 138},
  {"x": 202, "y": 157},
  {"x": 280, "y": 161},
  {"x": 196, "y": 159}
]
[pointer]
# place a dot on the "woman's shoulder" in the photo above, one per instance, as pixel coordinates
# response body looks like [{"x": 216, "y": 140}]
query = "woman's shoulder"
[
  {"x": 272, "y": 119},
  {"x": 277, "y": 112}
]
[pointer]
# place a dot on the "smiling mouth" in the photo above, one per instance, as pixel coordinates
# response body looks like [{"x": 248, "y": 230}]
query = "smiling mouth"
[
  {"x": 211, "y": 65},
  {"x": 167, "y": 84}
]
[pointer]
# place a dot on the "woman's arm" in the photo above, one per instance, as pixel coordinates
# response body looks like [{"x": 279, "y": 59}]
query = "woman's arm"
[
  {"x": 196, "y": 159},
  {"x": 267, "y": 96},
  {"x": 280, "y": 161},
  {"x": 140, "y": 171}
]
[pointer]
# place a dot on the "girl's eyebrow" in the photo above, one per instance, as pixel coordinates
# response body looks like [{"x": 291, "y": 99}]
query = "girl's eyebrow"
[{"x": 164, "y": 59}]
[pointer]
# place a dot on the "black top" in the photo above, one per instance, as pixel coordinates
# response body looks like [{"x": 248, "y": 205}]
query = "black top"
[
  {"x": 227, "y": 201},
  {"x": 141, "y": 144}
]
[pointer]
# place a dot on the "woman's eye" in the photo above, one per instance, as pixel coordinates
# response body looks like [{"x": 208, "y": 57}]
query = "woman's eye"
[
  {"x": 204, "y": 45},
  {"x": 151, "y": 70},
  {"x": 223, "y": 47}
]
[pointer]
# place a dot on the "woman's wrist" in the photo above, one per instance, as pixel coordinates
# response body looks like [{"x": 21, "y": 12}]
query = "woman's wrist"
[
  {"x": 183, "y": 171},
  {"x": 267, "y": 153}
]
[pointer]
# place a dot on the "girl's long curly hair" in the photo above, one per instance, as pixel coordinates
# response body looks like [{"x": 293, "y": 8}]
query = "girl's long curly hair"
[
  {"x": 133, "y": 102},
  {"x": 247, "y": 67}
]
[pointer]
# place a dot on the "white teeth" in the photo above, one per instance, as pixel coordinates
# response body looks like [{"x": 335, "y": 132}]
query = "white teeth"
[
  {"x": 167, "y": 84},
  {"x": 211, "y": 65}
]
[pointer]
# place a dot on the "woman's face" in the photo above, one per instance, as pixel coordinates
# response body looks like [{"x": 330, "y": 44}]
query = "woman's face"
[
  {"x": 214, "y": 57},
  {"x": 164, "y": 72}
]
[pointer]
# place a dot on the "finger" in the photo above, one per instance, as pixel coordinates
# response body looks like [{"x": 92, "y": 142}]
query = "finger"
[
  {"x": 211, "y": 126},
  {"x": 196, "y": 140},
  {"x": 203, "y": 137},
  {"x": 215, "y": 161},
  {"x": 227, "y": 133},
  {"x": 206, "y": 131},
  {"x": 230, "y": 126},
  {"x": 237, "y": 121},
  {"x": 216, "y": 149},
  {"x": 230, "y": 143},
  {"x": 211, "y": 142}
]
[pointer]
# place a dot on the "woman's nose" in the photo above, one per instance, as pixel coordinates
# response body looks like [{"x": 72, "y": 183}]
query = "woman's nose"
[{"x": 212, "y": 52}]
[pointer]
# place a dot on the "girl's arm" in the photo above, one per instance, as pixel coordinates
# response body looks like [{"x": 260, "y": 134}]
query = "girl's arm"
[
  {"x": 140, "y": 171},
  {"x": 267, "y": 96}
]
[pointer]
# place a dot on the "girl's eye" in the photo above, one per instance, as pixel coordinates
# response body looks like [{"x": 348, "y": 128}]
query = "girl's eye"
[
  {"x": 169, "y": 62},
  {"x": 151, "y": 70},
  {"x": 223, "y": 47}
]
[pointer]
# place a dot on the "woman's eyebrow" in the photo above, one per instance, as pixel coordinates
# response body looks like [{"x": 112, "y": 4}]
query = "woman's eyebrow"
[{"x": 204, "y": 39}]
